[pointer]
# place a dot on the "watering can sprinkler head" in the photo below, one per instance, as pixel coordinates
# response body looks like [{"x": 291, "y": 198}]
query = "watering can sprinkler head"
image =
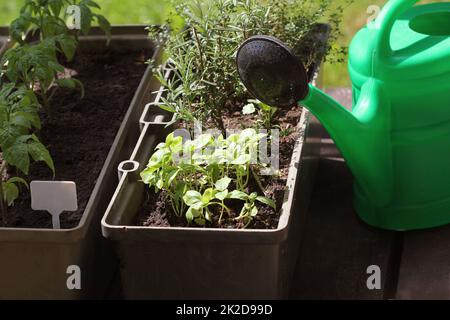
[{"x": 271, "y": 72}]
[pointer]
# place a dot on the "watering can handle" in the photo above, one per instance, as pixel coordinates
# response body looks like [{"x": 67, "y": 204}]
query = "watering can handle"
[{"x": 384, "y": 23}]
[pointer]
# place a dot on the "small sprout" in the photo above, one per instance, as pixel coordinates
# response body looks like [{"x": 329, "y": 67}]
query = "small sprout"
[{"x": 199, "y": 185}]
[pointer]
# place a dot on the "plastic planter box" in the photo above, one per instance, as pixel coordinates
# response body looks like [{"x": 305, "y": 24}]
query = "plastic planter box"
[
  {"x": 34, "y": 261},
  {"x": 206, "y": 263}
]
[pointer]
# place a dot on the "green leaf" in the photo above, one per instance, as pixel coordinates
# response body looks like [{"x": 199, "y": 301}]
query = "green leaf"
[
  {"x": 242, "y": 159},
  {"x": 208, "y": 215},
  {"x": 160, "y": 184},
  {"x": 248, "y": 109},
  {"x": 18, "y": 180},
  {"x": 223, "y": 183},
  {"x": 207, "y": 196},
  {"x": 70, "y": 83},
  {"x": 8, "y": 135},
  {"x": 10, "y": 192},
  {"x": 86, "y": 19},
  {"x": 167, "y": 108},
  {"x": 254, "y": 211},
  {"x": 68, "y": 46},
  {"x": 192, "y": 197},
  {"x": 222, "y": 195},
  {"x": 105, "y": 26},
  {"x": 267, "y": 201},
  {"x": 40, "y": 153},
  {"x": 17, "y": 155},
  {"x": 55, "y": 6},
  {"x": 236, "y": 194},
  {"x": 189, "y": 215},
  {"x": 92, "y": 4},
  {"x": 202, "y": 141}
]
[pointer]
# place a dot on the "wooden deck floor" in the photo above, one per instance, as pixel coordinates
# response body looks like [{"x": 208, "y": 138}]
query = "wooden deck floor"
[{"x": 337, "y": 248}]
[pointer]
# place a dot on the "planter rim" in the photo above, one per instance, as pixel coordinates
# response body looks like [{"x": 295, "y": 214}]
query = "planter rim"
[{"x": 78, "y": 232}]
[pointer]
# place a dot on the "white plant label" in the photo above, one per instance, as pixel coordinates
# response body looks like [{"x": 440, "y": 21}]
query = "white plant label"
[{"x": 54, "y": 197}]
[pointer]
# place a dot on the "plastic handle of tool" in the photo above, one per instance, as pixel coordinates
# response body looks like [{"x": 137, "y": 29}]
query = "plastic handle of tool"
[{"x": 384, "y": 23}]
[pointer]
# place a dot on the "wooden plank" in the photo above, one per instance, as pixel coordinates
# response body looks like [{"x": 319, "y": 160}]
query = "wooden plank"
[
  {"x": 337, "y": 247},
  {"x": 425, "y": 265}
]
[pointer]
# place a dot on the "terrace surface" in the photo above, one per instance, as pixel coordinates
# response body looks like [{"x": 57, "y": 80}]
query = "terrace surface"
[{"x": 337, "y": 247}]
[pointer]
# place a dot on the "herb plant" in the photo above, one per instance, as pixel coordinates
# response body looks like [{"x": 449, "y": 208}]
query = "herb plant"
[
  {"x": 200, "y": 176},
  {"x": 202, "y": 55}
]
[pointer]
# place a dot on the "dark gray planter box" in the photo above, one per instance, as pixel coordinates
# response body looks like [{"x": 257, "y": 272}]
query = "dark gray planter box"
[
  {"x": 34, "y": 261},
  {"x": 204, "y": 263}
]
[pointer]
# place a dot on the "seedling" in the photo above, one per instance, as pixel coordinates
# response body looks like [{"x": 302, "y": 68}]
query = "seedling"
[
  {"x": 36, "y": 67},
  {"x": 199, "y": 176},
  {"x": 18, "y": 118},
  {"x": 47, "y": 18},
  {"x": 31, "y": 68},
  {"x": 266, "y": 113}
]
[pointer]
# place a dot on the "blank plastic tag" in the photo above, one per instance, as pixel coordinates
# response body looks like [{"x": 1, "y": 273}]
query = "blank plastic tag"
[{"x": 54, "y": 197}]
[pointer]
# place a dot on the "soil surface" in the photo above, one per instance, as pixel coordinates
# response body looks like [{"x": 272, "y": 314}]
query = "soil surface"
[
  {"x": 155, "y": 213},
  {"x": 83, "y": 130}
]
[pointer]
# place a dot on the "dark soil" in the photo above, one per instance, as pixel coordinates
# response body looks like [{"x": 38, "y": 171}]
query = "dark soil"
[
  {"x": 82, "y": 130},
  {"x": 156, "y": 213}
]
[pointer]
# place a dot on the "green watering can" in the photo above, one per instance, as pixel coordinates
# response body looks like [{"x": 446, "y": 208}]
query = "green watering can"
[{"x": 396, "y": 140}]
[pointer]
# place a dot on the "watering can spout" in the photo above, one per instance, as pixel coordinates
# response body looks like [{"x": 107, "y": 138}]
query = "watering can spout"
[
  {"x": 271, "y": 72},
  {"x": 362, "y": 136}
]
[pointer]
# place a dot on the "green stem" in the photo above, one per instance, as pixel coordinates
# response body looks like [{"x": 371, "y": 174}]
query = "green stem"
[{"x": 258, "y": 181}]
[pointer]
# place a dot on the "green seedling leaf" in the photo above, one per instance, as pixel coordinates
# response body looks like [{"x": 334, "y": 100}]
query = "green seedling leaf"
[
  {"x": 267, "y": 201},
  {"x": 207, "y": 196},
  {"x": 40, "y": 153},
  {"x": 223, "y": 183},
  {"x": 17, "y": 155},
  {"x": 190, "y": 215},
  {"x": 202, "y": 141},
  {"x": 254, "y": 211},
  {"x": 10, "y": 192},
  {"x": 192, "y": 197},
  {"x": 248, "y": 109},
  {"x": 222, "y": 195},
  {"x": 105, "y": 26},
  {"x": 239, "y": 195}
]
